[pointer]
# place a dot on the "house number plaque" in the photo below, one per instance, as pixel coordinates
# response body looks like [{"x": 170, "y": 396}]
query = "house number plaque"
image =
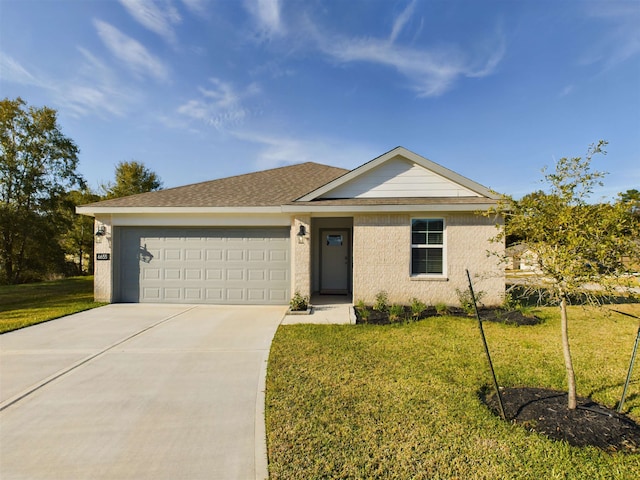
[{"x": 103, "y": 256}]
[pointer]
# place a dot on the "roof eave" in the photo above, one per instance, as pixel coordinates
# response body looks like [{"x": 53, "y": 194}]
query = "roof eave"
[
  {"x": 92, "y": 211},
  {"x": 388, "y": 208}
]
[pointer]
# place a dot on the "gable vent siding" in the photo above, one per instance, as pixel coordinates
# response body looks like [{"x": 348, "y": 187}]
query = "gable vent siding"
[{"x": 399, "y": 178}]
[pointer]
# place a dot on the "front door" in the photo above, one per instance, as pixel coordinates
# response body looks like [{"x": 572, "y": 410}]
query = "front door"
[{"x": 335, "y": 259}]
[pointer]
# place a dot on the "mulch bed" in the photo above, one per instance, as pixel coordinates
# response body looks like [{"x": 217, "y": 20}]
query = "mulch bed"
[
  {"x": 514, "y": 317},
  {"x": 545, "y": 411}
]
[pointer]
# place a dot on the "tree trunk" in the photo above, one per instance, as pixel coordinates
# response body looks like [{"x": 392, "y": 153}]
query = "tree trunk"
[{"x": 566, "y": 350}]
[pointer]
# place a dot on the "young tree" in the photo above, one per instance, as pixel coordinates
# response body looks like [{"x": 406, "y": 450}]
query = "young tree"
[
  {"x": 132, "y": 178},
  {"x": 37, "y": 166},
  {"x": 581, "y": 248}
]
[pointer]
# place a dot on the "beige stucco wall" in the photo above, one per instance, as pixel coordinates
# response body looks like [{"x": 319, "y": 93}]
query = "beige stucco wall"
[
  {"x": 382, "y": 259},
  {"x": 102, "y": 284}
]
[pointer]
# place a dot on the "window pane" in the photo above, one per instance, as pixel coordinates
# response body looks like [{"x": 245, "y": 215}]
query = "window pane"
[
  {"x": 435, "y": 225},
  {"x": 426, "y": 260},
  {"x": 434, "y": 260},
  {"x": 418, "y": 260},
  {"x": 419, "y": 225},
  {"x": 435, "y": 238},
  {"x": 418, "y": 238}
]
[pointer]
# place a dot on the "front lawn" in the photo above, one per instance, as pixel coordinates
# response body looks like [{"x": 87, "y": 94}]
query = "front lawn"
[
  {"x": 401, "y": 401},
  {"x": 24, "y": 305}
]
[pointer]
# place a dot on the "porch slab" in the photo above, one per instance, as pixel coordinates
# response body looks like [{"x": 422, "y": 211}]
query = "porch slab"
[{"x": 327, "y": 310}]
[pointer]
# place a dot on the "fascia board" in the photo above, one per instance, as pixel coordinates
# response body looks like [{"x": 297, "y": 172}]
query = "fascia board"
[
  {"x": 387, "y": 208},
  {"x": 93, "y": 211}
]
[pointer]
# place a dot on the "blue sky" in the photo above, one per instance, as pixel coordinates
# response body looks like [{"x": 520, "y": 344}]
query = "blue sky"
[{"x": 199, "y": 89}]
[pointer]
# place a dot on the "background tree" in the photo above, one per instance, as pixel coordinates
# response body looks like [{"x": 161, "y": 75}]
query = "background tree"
[
  {"x": 77, "y": 240},
  {"x": 632, "y": 199},
  {"x": 132, "y": 178},
  {"x": 577, "y": 244},
  {"x": 37, "y": 166}
]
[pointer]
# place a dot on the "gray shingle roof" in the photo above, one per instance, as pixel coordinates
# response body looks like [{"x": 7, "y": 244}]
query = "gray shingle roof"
[{"x": 266, "y": 188}]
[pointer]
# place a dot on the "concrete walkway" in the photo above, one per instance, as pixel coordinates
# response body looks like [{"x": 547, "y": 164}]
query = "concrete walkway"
[
  {"x": 327, "y": 310},
  {"x": 137, "y": 392}
]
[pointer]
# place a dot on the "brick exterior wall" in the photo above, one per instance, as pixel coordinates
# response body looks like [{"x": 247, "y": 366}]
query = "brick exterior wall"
[
  {"x": 301, "y": 253},
  {"x": 103, "y": 269},
  {"x": 382, "y": 259}
]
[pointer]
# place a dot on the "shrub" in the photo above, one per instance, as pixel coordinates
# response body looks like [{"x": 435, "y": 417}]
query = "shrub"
[
  {"x": 417, "y": 307},
  {"x": 382, "y": 302},
  {"x": 364, "y": 313},
  {"x": 466, "y": 300},
  {"x": 442, "y": 308},
  {"x": 396, "y": 312},
  {"x": 299, "y": 302}
]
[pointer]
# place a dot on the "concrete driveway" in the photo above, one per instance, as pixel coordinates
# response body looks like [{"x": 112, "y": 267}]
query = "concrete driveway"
[{"x": 137, "y": 391}]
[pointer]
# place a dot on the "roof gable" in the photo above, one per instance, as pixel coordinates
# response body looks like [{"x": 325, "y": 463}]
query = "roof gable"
[{"x": 399, "y": 173}]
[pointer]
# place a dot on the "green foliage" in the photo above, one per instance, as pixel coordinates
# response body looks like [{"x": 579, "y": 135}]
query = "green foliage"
[
  {"x": 417, "y": 307},
  {"x": 363, "y": 311},
  {"x": 466, "y": 300},
  {"x": 396, "y": 313},
  {"x": 299, "y": 302},
  {"x": 382, "y": 302},
  {"x": 578, "y": 244},
  {"x": 37, "y": 167},
  {"x": 132, "y": 178},
  {"x": 442, "y": 308}
]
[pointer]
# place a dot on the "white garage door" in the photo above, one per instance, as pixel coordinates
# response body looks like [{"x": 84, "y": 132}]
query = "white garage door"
[{"x": 202, "y": 265}]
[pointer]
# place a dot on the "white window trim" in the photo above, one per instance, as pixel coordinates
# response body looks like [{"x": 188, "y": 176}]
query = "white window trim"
[{"x": 429, "y": 276}]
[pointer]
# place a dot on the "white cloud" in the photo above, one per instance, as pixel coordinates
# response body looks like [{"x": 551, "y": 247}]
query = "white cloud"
[
  {"x": 281, "y": 150},
  {"x": 618, "y": 37},
  {"x": 431, "y": 71},
  {"x": 157, "y": 16},
  {"x": 199, "y": 7},
  {"x": 401, "y": 20},
  {"x": 95, "y": 90},
  {"x": 267, "y": 15},
  {"x": 12, "y": 71},
  {"x": 220, "y": 104},
  {"x": 135, "y": 56}
]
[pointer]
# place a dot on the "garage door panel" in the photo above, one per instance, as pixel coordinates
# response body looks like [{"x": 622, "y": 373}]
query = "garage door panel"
[{"x": 203, "y": 265}]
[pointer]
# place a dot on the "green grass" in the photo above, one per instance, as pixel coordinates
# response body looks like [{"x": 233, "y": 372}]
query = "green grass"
[
  {"x": 401, "y": 401},
  {"x": 24, "y": 305}
]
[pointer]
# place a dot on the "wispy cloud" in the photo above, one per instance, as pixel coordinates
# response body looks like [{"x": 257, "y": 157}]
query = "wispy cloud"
[
  {"x": 431, "y": 71},
  {"x": 401, "y": 20},
  {"x": 199, "y": 7},
  {"x": 95, "y": 90},
  {"x": 12, "y": 71},
  {"x": 281, "y": 150},
  {"x": 134, "y": 55},
  {"x": 267, "y": 15},
  {"x": 157, "y": 16},
  {"x": 620, "y": 40},
  {"x": 220, "y": 104}
]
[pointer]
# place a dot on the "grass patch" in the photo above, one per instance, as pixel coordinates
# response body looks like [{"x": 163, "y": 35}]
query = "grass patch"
[
  {"x": 28, "y": 304},
  {"x": 401, "y": 401}
]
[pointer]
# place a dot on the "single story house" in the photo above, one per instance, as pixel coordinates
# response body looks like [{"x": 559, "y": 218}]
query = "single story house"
[{"x": 399, "y": 223}]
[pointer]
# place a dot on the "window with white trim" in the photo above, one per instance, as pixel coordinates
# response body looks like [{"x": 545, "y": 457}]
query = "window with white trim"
[{"x": 427, "y": 246}]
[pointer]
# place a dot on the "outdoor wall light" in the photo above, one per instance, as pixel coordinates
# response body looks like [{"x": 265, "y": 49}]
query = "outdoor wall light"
[
  {"x": 302, "y": 233},
  {"x": 102, "y": 231}
]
